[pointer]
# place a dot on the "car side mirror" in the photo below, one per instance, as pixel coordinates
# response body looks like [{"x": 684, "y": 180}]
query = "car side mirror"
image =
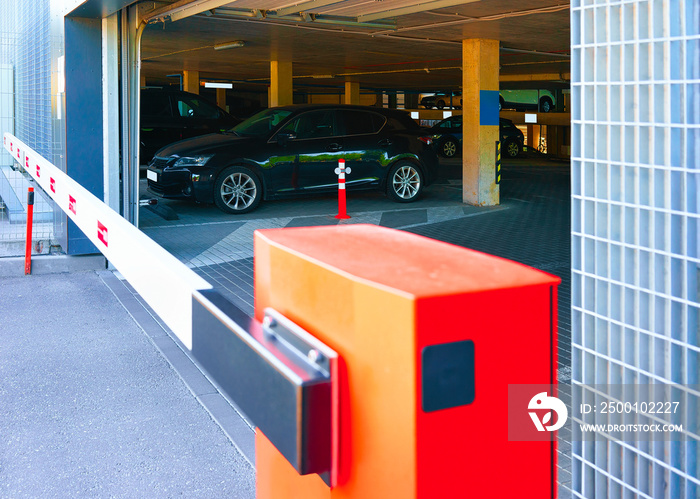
[{"x": 283, "y": 138}]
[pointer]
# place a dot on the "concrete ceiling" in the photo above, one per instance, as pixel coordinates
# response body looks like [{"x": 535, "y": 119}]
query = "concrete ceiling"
[{"x": 412, "y": 45}]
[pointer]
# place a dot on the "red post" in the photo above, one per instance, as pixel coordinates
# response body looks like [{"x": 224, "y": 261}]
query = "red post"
[
  {"x": 342, "y": 201},
  {"x": 30, "y": 222}
]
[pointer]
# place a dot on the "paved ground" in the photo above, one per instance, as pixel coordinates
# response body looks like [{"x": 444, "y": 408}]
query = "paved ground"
[{"x": 92, "y": 406}]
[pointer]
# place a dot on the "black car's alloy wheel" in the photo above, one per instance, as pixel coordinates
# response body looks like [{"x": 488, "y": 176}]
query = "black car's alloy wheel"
[
  {"x": 448, "y": 148},
  {"x": 237, "y": 190},
  {"x": 512, "y": 149},
  {"x": 405, "y": 182}
]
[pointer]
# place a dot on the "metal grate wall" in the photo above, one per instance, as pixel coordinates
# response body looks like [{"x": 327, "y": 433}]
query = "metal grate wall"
[
  {"x": 635, "y": 209},
  {"x": 30, "y": 107}
]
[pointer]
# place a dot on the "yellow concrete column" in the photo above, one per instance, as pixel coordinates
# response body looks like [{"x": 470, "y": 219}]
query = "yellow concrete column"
[
  {"x": 480, "y": 128},
  {"x": 533, "y": 136},
  {"x": 280, "y": 83},
  {"x": 221, "y": 98},
  {"x": 190, "y": 81},
  {"x": 352, "y": 92},
  {"x": 533, "y": 140}
]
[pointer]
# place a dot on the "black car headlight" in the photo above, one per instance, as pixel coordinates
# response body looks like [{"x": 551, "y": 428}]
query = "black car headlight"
[{"x": 192, "y": 161}]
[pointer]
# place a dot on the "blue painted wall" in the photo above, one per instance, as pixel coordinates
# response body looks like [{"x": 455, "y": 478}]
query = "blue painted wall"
[{"x": 84, "y": 153}]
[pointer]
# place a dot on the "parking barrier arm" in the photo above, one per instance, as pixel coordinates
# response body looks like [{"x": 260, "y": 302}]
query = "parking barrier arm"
[{"x": 279, "y": 375}]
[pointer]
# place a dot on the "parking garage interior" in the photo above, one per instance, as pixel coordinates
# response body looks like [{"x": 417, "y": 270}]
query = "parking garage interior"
[
  {"x": 386, "y": 54},
  {"x": 604, "y": 196}
]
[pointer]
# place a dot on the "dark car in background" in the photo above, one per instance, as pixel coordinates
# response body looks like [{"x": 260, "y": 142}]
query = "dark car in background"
[
  {"x": 294, "y": 151},
  {"x": 171, "y": 115},
  {"x": 447, "y": 137}
]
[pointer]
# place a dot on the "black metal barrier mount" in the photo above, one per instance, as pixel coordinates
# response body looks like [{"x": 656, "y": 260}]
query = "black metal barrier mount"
[{"x": 275, "y": 371}]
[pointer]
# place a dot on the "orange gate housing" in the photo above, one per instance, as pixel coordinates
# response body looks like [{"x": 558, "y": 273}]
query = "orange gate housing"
[{"x": 429, "y": 336}]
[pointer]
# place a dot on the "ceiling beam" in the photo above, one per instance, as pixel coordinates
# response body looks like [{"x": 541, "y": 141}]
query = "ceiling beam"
[
  {"x": 412, "y": 9},
  {"x": 536, "y": 77}
]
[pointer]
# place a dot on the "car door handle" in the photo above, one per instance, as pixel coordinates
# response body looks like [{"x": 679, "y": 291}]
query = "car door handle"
[
  {"x": 334, "y": 147},
  {"x": 385, "y": 142}
]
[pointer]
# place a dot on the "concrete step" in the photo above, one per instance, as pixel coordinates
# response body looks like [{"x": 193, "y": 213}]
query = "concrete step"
[{"x": 13, "y": 191}]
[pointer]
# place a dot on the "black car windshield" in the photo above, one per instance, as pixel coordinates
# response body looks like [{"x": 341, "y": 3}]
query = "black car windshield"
[{"x": 262, "y": 123}]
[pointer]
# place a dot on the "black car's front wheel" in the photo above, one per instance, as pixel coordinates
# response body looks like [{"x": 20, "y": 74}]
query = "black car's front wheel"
[
  {"x": 237, "y": 190},
  {"x": 512, "y": 149},
  {"x": 448, "y": 148},
  {"x": 405, "y": 182}
]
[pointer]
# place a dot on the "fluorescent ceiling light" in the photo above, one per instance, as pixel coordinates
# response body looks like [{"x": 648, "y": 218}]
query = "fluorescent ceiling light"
[
  {"x": 211, "y": 84},
  {"x": 229, "y": 45},
  {"x": 303, "y": 6},
  {"x": 412, "y": 9},
  {"x": 182, "y": 9}
]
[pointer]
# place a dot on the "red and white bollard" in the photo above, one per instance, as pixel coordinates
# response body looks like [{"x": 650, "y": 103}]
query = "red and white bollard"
[
  {"x": 30, "y": 221},
  {"x": 342, "y": 201}
]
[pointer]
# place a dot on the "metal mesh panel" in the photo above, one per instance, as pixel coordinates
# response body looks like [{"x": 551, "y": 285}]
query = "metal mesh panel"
[
  {"x": 29, "y": 44},
  {"x": 635, "y": 159}
]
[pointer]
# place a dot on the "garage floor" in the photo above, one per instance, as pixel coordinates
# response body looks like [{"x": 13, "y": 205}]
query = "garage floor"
[{"x": 531, "y": 226}]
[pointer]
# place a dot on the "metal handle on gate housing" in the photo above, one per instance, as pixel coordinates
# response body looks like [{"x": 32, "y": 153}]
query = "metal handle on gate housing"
[{"x": 276, "y": 372}]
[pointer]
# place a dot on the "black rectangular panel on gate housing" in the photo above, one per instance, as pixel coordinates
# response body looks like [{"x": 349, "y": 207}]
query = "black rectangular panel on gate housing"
[
  {"x": 447, "y": 375},
  {"x": 284, "y": 397}
]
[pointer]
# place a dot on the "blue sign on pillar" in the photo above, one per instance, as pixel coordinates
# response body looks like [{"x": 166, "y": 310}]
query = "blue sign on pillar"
[{"x": 488, "y": 113}]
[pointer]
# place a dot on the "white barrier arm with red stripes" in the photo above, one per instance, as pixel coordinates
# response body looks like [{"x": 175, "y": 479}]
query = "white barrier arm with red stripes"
[{"x": 162, "y": 280}]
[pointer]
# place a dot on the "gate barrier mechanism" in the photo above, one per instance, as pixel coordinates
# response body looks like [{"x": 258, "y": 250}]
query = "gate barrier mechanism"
[
  {"x": 378, "y": 361},
  {"x": 429, "y": 337}
]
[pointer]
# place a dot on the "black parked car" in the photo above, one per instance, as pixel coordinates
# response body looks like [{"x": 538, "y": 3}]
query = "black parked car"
[
  {"x": 294, "y": 150},
  {"x": 447, "y": 137},
  {"x": 171, "y": 115}
]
